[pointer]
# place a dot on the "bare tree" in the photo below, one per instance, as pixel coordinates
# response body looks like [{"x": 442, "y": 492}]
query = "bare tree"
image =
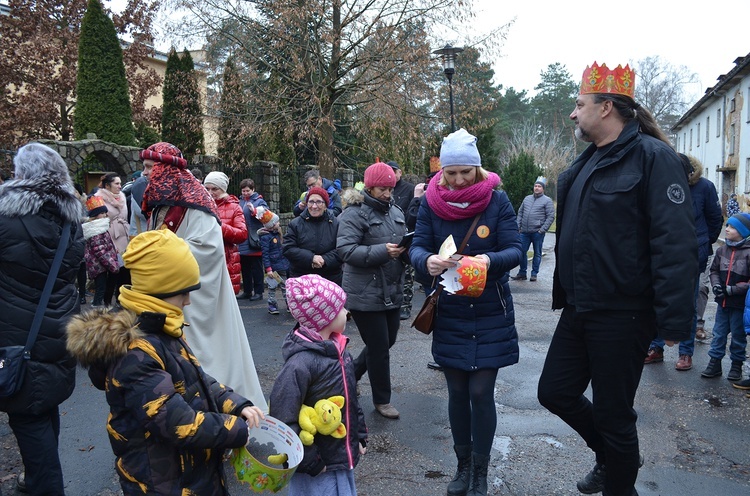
[
  {"x": 662, "y": 89},
  {"x": 551, "y": 150},
  {"x": 316, "y": 63}
]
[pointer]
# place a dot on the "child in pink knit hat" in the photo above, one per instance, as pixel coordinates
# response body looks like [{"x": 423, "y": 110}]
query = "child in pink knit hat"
[{"x": 317, "y": 366}]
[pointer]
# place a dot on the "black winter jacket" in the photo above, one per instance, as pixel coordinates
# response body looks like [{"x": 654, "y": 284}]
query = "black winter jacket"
[
  {"x": 635, "y": 244},
  {"x": 307, "y": 236},
  {"x": 315, "y": 370},
  {"x": 169, "y": 421},
  {"x": 32, "y": 212}
]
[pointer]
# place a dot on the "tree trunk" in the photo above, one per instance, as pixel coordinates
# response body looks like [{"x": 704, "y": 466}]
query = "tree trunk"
[{"x": 325, "y": 150}]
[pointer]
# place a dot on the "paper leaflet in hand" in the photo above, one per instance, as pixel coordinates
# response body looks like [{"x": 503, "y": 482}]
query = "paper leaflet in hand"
[
  {"x": 273, "y": 279},
  {"x": 448, "y": 249}
]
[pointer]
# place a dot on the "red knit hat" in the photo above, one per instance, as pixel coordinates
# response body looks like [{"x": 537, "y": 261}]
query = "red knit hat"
[
  {"x": 319, "y": 191},
  {"x": 313, "y": 301},
  {"x": 380, "y": 175}
]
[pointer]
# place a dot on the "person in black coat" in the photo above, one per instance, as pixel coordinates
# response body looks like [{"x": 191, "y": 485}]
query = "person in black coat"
[
  {"x": 33, "y": 209},
  {"x": 310, "y": 240}
]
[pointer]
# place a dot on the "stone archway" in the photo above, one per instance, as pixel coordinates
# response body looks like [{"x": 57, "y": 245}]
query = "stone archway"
[{"x": 116, "y": 158}]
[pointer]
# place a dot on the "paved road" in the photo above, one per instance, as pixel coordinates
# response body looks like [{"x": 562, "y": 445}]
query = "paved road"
[{"x": 694, "y": 432}]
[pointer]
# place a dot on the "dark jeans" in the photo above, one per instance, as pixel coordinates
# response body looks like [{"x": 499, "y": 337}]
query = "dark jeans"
[
  {"x": 114, "y": 281},
  {"x": 535, "y": 240},
  {"x": 471, "y": 408},
  {"x": 606, "y": 349},
  {"x": 252, "y": 274},
  {"x": 37, "y": 437},
  {"x": 100, "y": 287},
  {"x": 378, "y": 331}
]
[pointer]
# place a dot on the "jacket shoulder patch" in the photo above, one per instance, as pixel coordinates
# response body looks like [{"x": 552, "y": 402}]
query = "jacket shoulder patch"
[{"x": 676, "y": 193}]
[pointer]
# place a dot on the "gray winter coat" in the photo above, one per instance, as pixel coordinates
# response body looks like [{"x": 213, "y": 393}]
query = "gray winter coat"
[
  {"x": 536, "y": 214},
  {"x": 373, "y": 281}
]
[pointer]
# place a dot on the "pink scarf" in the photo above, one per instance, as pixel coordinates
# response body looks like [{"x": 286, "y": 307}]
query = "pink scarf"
[{"x": 445, "y": 201}]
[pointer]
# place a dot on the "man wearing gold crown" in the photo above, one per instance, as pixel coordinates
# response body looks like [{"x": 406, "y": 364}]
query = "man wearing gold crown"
[{"x": 626, "y": 265}]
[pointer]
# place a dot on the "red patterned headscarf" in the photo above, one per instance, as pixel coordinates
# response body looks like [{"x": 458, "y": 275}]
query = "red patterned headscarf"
[{"x": 171, "y": 184}]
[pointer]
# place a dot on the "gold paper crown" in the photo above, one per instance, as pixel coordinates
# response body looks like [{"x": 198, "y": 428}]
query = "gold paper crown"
[{"x": 600, "y": 79}]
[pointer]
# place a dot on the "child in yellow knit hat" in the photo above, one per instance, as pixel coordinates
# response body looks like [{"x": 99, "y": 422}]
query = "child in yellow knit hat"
[{"x": 169, "y": 421}]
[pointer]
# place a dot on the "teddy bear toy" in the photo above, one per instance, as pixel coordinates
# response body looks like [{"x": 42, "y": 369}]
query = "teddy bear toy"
[{"x": 324, "y": 418}]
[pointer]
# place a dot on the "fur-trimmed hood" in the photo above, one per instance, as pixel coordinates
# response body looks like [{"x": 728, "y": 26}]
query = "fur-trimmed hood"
[
  {"x": 94, "y": 227},
  {"x": 697, "y": 170},
  {"x": 20, "y": 197},
  {"x": 351, "y": 196},
  {"x": 101, "y": 336}
]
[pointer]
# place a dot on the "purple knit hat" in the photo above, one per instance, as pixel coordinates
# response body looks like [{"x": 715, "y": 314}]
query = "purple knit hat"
[{"x": 314, "y": 301}]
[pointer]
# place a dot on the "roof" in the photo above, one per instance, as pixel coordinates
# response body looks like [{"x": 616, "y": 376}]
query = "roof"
[{"x": 724, "y": 84}]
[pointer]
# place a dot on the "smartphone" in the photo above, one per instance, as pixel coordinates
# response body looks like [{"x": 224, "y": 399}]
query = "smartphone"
[{"x": 406, "y": 240}]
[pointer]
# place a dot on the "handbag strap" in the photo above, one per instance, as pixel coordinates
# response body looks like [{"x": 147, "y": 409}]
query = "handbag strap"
[
  {"x": 56, "y": 263},
  {"x": 439, "y": 288}
]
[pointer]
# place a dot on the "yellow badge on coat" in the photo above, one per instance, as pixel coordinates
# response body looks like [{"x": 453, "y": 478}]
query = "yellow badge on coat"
[{"x": 483, "y": 231}]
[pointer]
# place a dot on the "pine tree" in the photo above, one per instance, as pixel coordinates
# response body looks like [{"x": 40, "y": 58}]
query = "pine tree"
[
  {"x": 518, "y": 178},
  {"x": 103, "y": 105},
  {"x": 182, "y": 119},
  {"x": 192, "y": 112},
  {"x": 171, "y": 130}
]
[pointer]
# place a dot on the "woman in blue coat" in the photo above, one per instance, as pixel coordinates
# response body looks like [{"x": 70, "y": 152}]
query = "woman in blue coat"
[{"x": 473, "y": 336}]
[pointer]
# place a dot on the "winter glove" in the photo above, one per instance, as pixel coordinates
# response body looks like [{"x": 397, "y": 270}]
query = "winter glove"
[{"x": 718, "y": 291}]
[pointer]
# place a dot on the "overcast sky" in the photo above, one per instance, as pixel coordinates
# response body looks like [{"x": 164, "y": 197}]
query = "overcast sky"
[{"x": 706, "y": 37}]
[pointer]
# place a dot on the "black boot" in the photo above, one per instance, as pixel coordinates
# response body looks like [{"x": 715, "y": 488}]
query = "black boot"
[
  {"x": 735, "y": 373},
  {"x": 460, "y": 483},
  {"x": 713, "y": 369},
  {"x": 479, "y": 465}
]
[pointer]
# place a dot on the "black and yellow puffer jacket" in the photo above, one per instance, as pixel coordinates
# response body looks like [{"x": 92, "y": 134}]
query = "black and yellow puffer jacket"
[{"x": 169, "y": 421}]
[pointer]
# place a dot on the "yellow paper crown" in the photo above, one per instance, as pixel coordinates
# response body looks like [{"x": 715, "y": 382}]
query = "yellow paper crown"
[{"x": 600, "y": 79}]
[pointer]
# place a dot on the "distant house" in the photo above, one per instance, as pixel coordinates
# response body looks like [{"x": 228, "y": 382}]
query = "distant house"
[{"x": 716, "y": 131}]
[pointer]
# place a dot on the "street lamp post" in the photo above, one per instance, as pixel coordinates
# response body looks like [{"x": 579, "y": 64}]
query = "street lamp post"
[{"x": 448, "y": 56}]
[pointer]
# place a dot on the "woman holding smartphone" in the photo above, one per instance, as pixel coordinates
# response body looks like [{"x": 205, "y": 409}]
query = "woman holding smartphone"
[{"x": 370, "y": 230}]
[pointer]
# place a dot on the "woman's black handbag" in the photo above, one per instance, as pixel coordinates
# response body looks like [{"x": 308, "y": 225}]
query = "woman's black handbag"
[
  {"x": 424, "y": 322},
  {"x": 13, "y": 358}
]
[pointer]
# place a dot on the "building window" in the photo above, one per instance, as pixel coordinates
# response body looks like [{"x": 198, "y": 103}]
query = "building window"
[
  {"x": 731, "y": 139},
  {"x": 718, "y": 122},
  {"x": 684, "y": 142},
  {"x": 690, "y": 145},
  {"x": 698, "y": 135},
  {"x": 748, "y": 107},
  {"x": 708, "y": 122},
  {"x": 747, "y": 174},
  {"x": 732, "y": 105}
]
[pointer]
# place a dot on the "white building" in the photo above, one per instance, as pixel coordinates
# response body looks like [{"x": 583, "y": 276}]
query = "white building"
[{"x": 716, "y": 131}]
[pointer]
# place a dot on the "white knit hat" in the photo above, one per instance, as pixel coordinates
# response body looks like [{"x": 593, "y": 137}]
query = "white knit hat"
[
  {"x": 218, "y": 179},
  {"x": 460, "y": 148}
]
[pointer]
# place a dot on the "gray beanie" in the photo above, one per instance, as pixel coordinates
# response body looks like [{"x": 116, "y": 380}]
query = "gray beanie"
[
  {"x": 460, "y": 148},
  {"x": 217, "y": 178}
]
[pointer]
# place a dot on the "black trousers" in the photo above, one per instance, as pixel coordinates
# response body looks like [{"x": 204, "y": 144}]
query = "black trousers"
[
  {"x": 252, "y": 274},
  {"x": 605, "y": 349},
  {"x": 378, "y": 331},
  {"x": 37, "y": 437}
]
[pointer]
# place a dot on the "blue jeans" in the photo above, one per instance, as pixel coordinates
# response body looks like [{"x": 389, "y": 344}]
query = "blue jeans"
[
  {"x": 728, "y": 320},
  {"x": 535, "y": 239},
  {"x": 686, "y": 347}
]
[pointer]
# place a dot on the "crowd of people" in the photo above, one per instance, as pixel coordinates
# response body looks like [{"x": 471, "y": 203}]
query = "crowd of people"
[{"x": 164, "y": 337}]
